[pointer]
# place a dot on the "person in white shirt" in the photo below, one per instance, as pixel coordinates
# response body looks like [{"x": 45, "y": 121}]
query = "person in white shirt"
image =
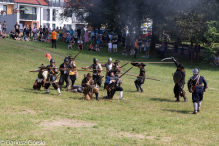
[
  {"x": 80, "y": 41},
  {"x": 109, "y": 47}
]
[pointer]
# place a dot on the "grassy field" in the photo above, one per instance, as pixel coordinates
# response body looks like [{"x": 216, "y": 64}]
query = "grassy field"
[{"x": 149, "y": 118}]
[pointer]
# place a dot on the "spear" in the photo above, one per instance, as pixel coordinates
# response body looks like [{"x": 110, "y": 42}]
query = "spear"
[{"x": 142, "y": 77}]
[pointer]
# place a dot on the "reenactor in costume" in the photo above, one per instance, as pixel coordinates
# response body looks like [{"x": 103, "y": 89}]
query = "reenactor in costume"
[
  {"x": 52, "y": 77},
  {"x": 41, "y": 78},
  {"x": 141, "y": 78},
  {"x": 77, "y": 88},
  {"x": 73, "y": 73},
  {"x": 65, "y": 73},
  {"x": 179, "y": 80},
  {"x": 195, "y": 87},
  {"x": 96, "y": 71},
  {"x": 111, "y": 86},
  {"x": 117, "y": 71},
  {"x": 108, "y": 65},
  {"x": 89, "y": 88}
]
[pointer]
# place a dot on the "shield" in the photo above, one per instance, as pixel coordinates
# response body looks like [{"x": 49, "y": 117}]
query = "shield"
[{"x": 177, "y": 77}]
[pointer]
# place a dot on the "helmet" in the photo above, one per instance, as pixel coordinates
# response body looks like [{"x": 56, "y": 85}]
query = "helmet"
[
  {"x": 95, "y": 60},
  {"x": 110, "y": 59},
  {"x": 52, "y": 61},
  {"x": 195, "y": 71},
  {"x": 66, "y": 60}
]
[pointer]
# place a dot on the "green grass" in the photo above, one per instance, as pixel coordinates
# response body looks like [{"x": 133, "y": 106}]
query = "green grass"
[{"x": 149, "y": 118}]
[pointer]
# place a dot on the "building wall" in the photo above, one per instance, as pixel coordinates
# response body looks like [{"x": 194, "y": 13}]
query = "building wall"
[{"x": 10, "y": 21}]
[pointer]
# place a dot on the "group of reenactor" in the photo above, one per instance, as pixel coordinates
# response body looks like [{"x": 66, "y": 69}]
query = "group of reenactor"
[{"x": 91, "y": 83}]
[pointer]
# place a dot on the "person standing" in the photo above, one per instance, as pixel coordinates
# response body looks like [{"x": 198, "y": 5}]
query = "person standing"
[
  {"x": 54, "y": 34},
  {"x": 57, "y": 31},
  {"x": 52, "y": 77},
  {"x": 141, "y": 78},
  {"x": 179, "y": 80},
  {"x": 162, "y": 51},
  {"x": 147, "y": 48},
  {"x": 65, "y": 74},
  {"x": 76, "y": 36},
  {"x": 79, "y": 32},
  {"x": 139, "y": 44},
  {"x": 176, "y": 45},
  {"x": 114, "y": 42},
  {"x": 17, "y": 28},
  {"x": 73, "y": 73},
  {"x": 30, "y": 31},
  {"x": 136, "y": 48},
  {"x": 195, "y": 87},
  {"x": 4, "y": 26},
  {"x": 60, "y": 33},
  {"x": 108, "y": 65},
  {"x": 97, "y": 68},
  {"x": 86, "y": 39},
  {"x": 117, "y": 70}
]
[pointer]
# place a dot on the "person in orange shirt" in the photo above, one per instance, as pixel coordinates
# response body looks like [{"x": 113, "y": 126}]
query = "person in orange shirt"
[
  {"x": 54, "y": 34},
  {"x": 136, "y": 48}
]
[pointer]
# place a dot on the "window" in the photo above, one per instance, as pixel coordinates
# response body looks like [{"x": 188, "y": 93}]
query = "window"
[
  {"x": 34, "y": 25},
  {"x": 5, "y": 8},
  {"x": 34, "y": 11},
  {"x": 48, "y": 14},
  {"x": 53, "y": 26},
  {"x": 53, "y": 15}
]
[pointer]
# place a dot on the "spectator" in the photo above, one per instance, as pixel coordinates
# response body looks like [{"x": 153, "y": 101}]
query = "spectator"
[
  {"x": 64, "y": 28},
  {"x": 79, "y": 32},
  {"x": 4, "y": 26},
  {"x": 12, "y": 34},
  {"x": 109, "y": 47},
  {"x": 123, "y": 40},
  {"x": 71, "y": 33},
  {"x": 96, "y": 48},
  {"x": 64, "y": 35},
  {"x": 162, "y": 51},
  {"x": 98, "y": 40},
  {"x": 165, "y": 44},
  {"x": 60, "y": 33},
  {"x": 41, "y": 30},
  {"x": 68, "y": 38},
  {"x": 82, "y": 33},
  {"x": 139, "y": 44},
  {"x": 106, "y": 38},
  {"x": 71, "y": 44},
  {"x": 76, "y": 35},
  {"x": 86, "y": 39},
  {"x": 30, "y": 30},
  {"x": 80, "y": 46},
  {"x": 17, "y": 28},
  {"x": 101, "y": 41},
  {"x": 49, "y": 29},
  {"x": 35, "y": 34},
  {"x": 124, "y": 52},
  {"x": 40, "y": 37},
  {"x": 44, "y": 29},
  {"x": 127, "y": 41},
  {"x": 197, "y": 51},
  {"x": 16, "y": 37},
  {"x": 4, "y": 35},
  {"x": 54, "y": 34},
  {"x": 80, "y": 41},
  {"x": 132, "y": 52},
  {"x": 136, "y": 48},
  {"x": 216, "y": 60},
  {"x": 57, "y": 31},
  {"x": 46, "y": 34},
  {"x": 114, "y": 42},
  {"x": 24, "y": 30},
  {"x": 91, "y": 47},
  {"x": 147, "y": 48},
  {"x": 27, "y": 30},
  {"x": 175, "y": 48}
]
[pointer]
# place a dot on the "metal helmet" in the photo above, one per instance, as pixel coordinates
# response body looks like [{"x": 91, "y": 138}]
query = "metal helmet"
[
  {"x": 110, "y": 59},
  {"x": 66, "y": 60},
  {"x": 95, "y": 60},
  {"x": 195, "y": 71},
  {"x": 52, "y": 61}
]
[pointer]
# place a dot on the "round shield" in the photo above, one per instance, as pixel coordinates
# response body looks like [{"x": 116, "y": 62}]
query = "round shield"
[{"x": 177, "y": 77}]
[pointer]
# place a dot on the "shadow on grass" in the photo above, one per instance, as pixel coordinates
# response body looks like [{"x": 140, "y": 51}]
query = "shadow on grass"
[
  {"x": 78, "y": 98},
  {"x": 162, "y": 100},
  {"x": 178, "y": 111}
]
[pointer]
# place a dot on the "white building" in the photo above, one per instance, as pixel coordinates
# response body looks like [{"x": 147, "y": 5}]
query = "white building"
[{"x": 36, "y": 13}]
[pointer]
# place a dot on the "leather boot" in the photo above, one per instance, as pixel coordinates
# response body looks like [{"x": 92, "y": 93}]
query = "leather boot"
[
  {"x": 185, "y": 99},
  {"x": 177, "y": 99},
  {"x": 137, "y": 87}
]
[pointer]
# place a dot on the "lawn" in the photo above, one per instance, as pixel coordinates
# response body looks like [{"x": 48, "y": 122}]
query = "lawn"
[{"x": 149, "y": 118}]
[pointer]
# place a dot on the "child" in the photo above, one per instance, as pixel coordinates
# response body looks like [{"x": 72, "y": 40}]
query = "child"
[
  {"x": 109, "y": 47},
  {"x": 132, "y": 52},
  {"x": 70, "y": 44},
  {"x": 80, "y": 46},
  {"x": 124, "y": 52},
  {"x": 96, "y": 48},
  {"x": 91, "y": 47}
]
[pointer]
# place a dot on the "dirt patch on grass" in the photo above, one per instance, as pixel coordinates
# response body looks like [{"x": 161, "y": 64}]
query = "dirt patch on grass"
[
  {"x": 27, "y": 111},
  {"x": 67, "y": 123},
  {"x": 137, "y": 136}
]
